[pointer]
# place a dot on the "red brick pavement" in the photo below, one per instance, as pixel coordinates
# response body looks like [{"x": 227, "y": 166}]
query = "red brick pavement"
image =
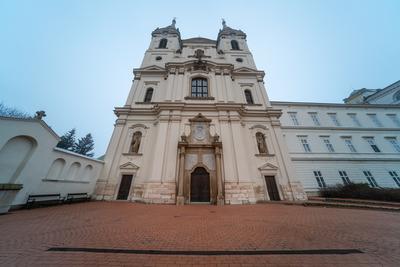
[{"x": 25, "y": 235}]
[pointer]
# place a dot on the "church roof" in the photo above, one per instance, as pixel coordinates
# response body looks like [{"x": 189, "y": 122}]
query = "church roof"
[{"x": 199, "y": 40}]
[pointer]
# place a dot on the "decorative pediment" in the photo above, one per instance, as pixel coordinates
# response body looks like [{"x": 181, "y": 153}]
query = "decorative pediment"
[
  {"x": 249, "y": 72},
  {"x": 151, "y": 68},
  {"x": 129, "y": 166},
  {"x": 200, "y": 118},
  {"x": 258, "y": 126},
  {"x": 268, "y": 167}
]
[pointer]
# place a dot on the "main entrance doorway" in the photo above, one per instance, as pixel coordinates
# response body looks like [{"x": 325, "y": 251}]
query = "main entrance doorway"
[
  {"x": 200, "y": 185},
  {"x": 272, "y": 188},
  {"x": 124, "y": 187}
]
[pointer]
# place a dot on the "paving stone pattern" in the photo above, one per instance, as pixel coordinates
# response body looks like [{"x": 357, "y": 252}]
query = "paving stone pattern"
[{"x": 25, "y": 235}]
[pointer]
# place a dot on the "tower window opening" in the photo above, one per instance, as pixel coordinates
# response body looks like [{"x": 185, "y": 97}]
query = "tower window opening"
[
  {"x": 235, "y": 45},
  {"x": 249, "y": 97},
  {"x": 163, "y": 43},
  {"x": 148, "y": 95}
]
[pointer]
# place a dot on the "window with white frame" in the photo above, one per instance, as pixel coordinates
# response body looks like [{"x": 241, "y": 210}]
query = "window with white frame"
[
  {"x": 394, "y": 119},
  {"x": 395, "y": 177},
  {"x": 375, "y": 120},
  {"x": 319, "y": 178},
  {"x": 328, "y": 143},
  {"x": 370, "y": 178},
  {"x": 354, "y": 119},
  {"x": 315, "y": 119},
  {"x": 371, "y": 142},
  {"x": 305, "y": 144},
  {"x": 349, "y": 144},
  {"x": 345, "y": 177},
  {"x": 293, "y": 117},
  {"x": 395, "y": 144},
  {"x": 334, "y": 119}
]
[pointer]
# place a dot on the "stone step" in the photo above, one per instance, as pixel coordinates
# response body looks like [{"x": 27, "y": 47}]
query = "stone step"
[{"x": 357, "y": 201}]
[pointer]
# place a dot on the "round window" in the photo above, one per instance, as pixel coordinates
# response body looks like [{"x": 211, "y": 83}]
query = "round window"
[
  {"x": 158, "y": 58},
  {"x": 239, "y": 59}
]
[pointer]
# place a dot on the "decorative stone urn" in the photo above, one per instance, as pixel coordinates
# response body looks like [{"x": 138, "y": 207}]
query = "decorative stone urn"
[{"x": 7, "y": 195}]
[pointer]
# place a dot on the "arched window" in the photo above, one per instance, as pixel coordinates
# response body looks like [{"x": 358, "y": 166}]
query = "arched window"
[
  {"x": 163, "y": 43},
  {"x": 148, "y": 95},
  {"x": 249, "y": 97},
  {"x": 199, "y": 87},
  {"x": 235, "y": 45},
  {"x": 135, "y": 144}
]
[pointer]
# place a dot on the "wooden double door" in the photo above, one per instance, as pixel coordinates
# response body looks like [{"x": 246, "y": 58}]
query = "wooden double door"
[
  {"x": 200, "y": 185},
  {"x": 272, "y": 189}
]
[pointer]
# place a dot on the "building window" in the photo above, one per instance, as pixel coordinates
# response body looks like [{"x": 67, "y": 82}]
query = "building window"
[
  {"x": 349, "y": 144},
  {"x": 394, "y": 119},
  {"x": 371, "y": 142},
  {"x": 199, "y": 87},
  {"x": 345, "y": 177},
  {"x": 293, "y": 116},
  {"x": 249, "y": 97},
  {"x": 371, "y": 179},
  {"x": 234, "y": 45},
  {"x": 148, "y": 95},
  {"x": 314, "y": 117},
  {"x": 334, "y": 119},
  {"x": 395, "y": 177},
  {"x": 375, "y": 120},
  {"x": 305, "y": 144},
  {"x": 163, "y": 43},
  {"x": 320, "y": 179},
  {"x": 395, "y": 144},
  {"x": 355, "y": 120},
  {"x": 328, "y": 144}
]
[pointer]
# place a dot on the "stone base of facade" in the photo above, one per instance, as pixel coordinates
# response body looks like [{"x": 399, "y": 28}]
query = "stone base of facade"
[
  {"x": 240, "y": 193},
  {"x": 294, "y": 192},
  {"x": 156, "y": 193}
]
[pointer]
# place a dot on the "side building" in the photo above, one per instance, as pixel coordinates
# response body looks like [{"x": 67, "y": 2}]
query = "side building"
[{"x": 340, "y": 143}]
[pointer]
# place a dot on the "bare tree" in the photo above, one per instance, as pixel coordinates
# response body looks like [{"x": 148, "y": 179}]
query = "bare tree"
[{"x": 6, "y": 111}]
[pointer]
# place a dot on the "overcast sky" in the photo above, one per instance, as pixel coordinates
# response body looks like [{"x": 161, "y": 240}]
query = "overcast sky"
[{"x": 74, "y": 59}]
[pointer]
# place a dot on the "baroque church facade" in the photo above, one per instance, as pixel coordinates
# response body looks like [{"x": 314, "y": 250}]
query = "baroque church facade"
[{"x": 198, "y": 127}]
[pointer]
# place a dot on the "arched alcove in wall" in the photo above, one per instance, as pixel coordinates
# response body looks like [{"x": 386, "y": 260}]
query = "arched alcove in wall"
[
  {"x": 56, "y": 169},
  {"x": 87, "y": 172},
  {"x": 73, "y": 171},
  {"x": 13, "y": 157}
]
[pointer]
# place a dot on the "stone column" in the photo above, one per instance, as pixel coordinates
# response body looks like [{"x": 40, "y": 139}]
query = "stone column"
[
  {"x": 220, "y": 194},
  {"x": 180, "y": 199}
]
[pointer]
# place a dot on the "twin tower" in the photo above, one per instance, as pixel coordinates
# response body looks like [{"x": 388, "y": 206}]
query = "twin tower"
[{"x": 198, "y": 127}]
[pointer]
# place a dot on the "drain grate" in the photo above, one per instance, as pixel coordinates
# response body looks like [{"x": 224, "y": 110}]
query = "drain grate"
[{"x": 210, "y": 252}]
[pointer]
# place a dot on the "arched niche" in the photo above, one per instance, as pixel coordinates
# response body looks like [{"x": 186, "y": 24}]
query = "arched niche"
[
  {"x": 13, "y": 157},
  {"x": 56, "y": 169},
  {"x": 73, "y": 171},
  {"x": 87, "y": 172}
]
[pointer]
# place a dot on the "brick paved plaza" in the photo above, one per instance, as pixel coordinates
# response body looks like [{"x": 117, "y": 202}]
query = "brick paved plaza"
[{"x": 26, "y": 235}]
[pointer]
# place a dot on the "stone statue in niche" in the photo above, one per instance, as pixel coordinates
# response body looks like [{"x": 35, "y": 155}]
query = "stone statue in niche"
[
  {"x": 137, "y": 136},
  {"x": 262, "y": 146}
]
